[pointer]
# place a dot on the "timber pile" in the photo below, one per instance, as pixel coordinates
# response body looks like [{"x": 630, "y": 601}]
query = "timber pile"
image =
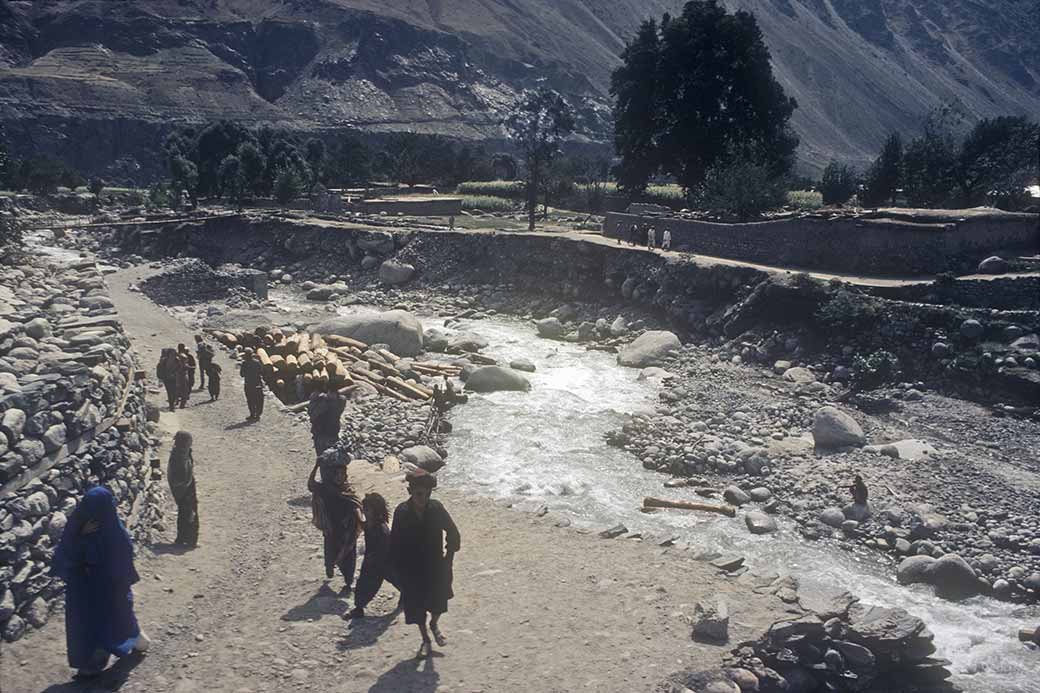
[{"x": 297, "y": 364}]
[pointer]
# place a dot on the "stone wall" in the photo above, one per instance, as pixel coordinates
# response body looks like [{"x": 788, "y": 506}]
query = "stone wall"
[
  {"x": 71, "y": 417},
  {"x": 420, "y": 206},
  {"x": 1005, "y": 293},
  {"x": 868, "y": 246}
]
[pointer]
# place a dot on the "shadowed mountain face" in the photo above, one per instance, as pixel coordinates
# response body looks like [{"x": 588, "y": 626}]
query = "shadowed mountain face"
[{"x": 97, "y": 81}]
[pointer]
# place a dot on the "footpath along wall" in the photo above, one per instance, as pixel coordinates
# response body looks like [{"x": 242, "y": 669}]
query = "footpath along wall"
[
  {"x": 893, "y": 246},
  {"x": 72, "y": 416}
]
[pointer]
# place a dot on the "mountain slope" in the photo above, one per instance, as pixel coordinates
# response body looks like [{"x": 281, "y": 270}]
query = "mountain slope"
[{"x": 98, "y": 81}]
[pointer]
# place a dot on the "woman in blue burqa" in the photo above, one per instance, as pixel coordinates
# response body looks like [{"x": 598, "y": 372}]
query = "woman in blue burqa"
[{"x": 95, "y": 558}]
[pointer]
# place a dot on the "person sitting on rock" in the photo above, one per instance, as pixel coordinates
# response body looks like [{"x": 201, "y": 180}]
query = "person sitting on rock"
[
  {"x": 423, "y": 543},
  {"x": 375, "y": 568},
  {"x": 213, "y": 370},
  {"x": 859, "y": 491},
  {"x": 95, "y": 558},
  {"x": 337, "y": 513}
]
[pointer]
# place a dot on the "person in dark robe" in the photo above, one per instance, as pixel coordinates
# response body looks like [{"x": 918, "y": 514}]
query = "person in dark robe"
[
  {"x": 204, "y": 355},
  {"x": 859, "y": 491},
  {"x": 325, "y": 409},
  {"x": 213, "y": 370},
  {"x": 183, "y": 386},
  {"x": 95, "y": 558},
  {"x": 337, "y": 512},
  {"x": 423, "y": 544},
  {"x": 180, "y": 473},
  {"x": 375, "y": 568},
  {"x": 253, "y": 383},
  {"x": 166, "y": 372},
  {"x": 189, "y": 364}
]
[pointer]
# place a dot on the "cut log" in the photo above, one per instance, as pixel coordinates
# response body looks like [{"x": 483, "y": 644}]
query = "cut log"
[
  {"x": 367, "y": 374},
  {"x": 407, "y": 389},
  {"x": 390, "y": 356},
  {"x": 385, "y": 368},
  {"x": 292, "y": 366},
  {"x": 727, "y": 510},
  {"x": 336, "y": 340},
  {"x": 303, "y": 359},
  {"x": 317, "y": 342},
  {"x": 265, "y": 360},
  {"x": 304, "y": 342}
]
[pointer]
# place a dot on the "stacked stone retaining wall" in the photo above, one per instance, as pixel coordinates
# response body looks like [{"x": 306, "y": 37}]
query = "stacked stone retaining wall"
[
  {"x": 890, "y": 247},
  {"x": 72, "y": 416}
]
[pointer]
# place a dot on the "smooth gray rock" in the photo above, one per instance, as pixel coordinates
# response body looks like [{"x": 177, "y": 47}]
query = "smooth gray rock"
[
  {"x": 550, "y": 328},
  {"x": 37, "y": 504},
  {"x": 648, "y": 349},
  {"x": 12, "y": 424},
  {"x": 833, "y": 428},
  {"x": 735, "y": 496},
  {"x": 971, "y": 329},
  {"x": 495, "y": 378},
  {"x": 953, "y": 578},
  {"x": 619, "y": 327},
  {"x": 54, "y": 437},
  {"x": 799, "y": 375},
  {"x": 398, "y": 329},
  {"x": 466, "y": 341},
  {"x": 993, "y": 265},
  {"x": 711, "y": 621},
  {"x": 522, "y": 365},
  {"x": 38, "y": 328},
  {"x": 832, "y": 517},
  {"x": 759, "y": 523},
  {"x": 395, "y": 272},
  {"x": 914, "y": 569},
  {"x": 435, "y": 340}
]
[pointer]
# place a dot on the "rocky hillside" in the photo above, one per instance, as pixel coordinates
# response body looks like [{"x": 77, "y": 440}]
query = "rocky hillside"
[{"x": 98, "y": 81}]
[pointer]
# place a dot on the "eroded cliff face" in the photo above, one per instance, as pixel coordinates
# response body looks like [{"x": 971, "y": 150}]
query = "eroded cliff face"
[{"x": 98, "y": 82}]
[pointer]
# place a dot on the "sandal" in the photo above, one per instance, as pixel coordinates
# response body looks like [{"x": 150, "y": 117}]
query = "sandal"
[
  {"x": 425, "y": 650},
  {"x": 438, "y": 636}
]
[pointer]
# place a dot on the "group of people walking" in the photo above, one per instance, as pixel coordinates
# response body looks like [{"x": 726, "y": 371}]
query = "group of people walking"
[
  {"x": 415, "y": 554},
  {"x": 176, "y": 371},
  {"x": 639, "y": 234}
]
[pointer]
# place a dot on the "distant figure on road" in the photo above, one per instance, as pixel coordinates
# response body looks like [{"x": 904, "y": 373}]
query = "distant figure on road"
[
  {"x": 325, "y": 409},
  {"x": 189, "y": 363},
  {"x": 180, "y": 473},
  {"x": 337, "y": 513},
  {"x": 633, "y": 234},
  {"x": 620, "y": 231},
  {"x": 451, "y": 223},
  {"x": 859, "y": 491},
  {"x": 651, "y": 237},
  {"x": 214, "y": 370},
  {"x": 375, "y": 568},
  {"x": 95, "y": 558},
  {"x": 423, "y": 543},
  {"x": 204, "y": 353},
  {"x": 254, "y": 385},
  {"x": 166, "y": 372},
  {"x": 666, "y": 239},
  {"x": 183, "y": 383}
]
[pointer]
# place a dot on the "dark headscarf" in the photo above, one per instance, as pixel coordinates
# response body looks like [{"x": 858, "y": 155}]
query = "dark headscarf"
[
  {"x": 420, "y": 478},
  {"x": 108, "y": 551},
  {"x": 180, "y": 470}
]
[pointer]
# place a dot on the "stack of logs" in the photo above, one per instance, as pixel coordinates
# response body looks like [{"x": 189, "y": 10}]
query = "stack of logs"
[{"x": 296, "y": 365}]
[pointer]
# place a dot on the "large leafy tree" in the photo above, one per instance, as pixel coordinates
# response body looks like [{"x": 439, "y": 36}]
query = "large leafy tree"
[
  {"x": 740, "y": 185},
  {"x": 838, "y": 184},
  {"x": 713, "y": 89},
  {"x": 538, "y": 125},
  {"x": 214, "y": 143},
  {"x": 997, "y": 158},
  {"x": 634, "y": 88}
]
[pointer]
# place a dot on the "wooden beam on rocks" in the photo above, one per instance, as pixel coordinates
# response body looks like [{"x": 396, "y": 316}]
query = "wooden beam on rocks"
[{"x": 727, "y": 510}]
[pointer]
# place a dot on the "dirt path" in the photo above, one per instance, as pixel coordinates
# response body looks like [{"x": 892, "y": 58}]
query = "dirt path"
[{"x": 538, "y": 607}]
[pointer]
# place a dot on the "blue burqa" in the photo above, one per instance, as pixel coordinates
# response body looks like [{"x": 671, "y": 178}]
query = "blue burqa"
[{"x": 98, "y": 569}]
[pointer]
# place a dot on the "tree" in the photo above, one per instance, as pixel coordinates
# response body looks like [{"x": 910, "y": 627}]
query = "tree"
[
  {"x": 232, "y": 180},
  {"x": 315, "y": 154},
  {"x": 885, "y": 174},
  {"x": 740, "y": 185},
  {"x": 634, "y": 88},
  {"x": 184, "y": 178},
  {"x": 538, "y": 124},
  {"x": 838, "y": 184},
  {"x": 504, "y": 166},
  {"x": 215, "y": 142},
  {"x": 713, "y": 88},
  {"x": 350, "y": 162},
  {"x": 41, "y": 175},
  {"x": 997, "y": 158},
  {"x": 929, "y": 160},
  {"x": 252, "y": 164},
  {"x": 287, "y": 185},
  {"x": 97, "y": 186}
]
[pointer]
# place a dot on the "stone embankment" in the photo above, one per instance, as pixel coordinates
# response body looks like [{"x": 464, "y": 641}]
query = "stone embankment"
[{"x": 72, "y": 415}]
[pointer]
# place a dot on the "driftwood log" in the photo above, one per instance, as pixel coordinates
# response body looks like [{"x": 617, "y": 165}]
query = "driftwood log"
[{"x": 727, "y": 510}]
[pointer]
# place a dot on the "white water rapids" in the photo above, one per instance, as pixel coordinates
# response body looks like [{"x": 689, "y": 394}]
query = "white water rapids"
[{"x": 547, "y": 447}]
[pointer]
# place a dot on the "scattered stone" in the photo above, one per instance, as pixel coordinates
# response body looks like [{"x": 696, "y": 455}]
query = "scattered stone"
[
  {"x": 711, "y": 621},
  {"x": 759, "y": 523},
  {"x": 833, "y": 429},
  {"x": 735, "y": 496},
  {"x": 648, "y": 349},
  {"x": 614, "y": 532}
]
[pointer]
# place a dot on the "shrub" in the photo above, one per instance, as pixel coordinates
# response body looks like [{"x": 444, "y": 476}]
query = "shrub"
[
  {"x": 875, "y": 370},
  {"x": 805, "y": 199},
  {"x": 487, "y": 203},
  {"x": 838, "y": 184},
  {"x": 848, "y": 312},
  {"x": 743, "y": 188}
]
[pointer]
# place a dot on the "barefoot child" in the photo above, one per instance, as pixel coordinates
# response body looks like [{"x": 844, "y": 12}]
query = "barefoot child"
[{"x": 375, "y": 567}]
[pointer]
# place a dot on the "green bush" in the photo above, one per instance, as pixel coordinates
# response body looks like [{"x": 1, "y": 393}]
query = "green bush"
[
  {"x": 508, "y": 189},
  {"x": 805, "y": 199},
  {"x": 487, "y": 203},
  {"x": 669, "y": 194},
  {"x": 879, "y": 368},
  {"x": 848, "y": 312}
]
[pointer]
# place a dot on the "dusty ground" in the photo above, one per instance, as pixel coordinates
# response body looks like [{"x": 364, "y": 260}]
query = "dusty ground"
[{"x": 538, "y": 608}]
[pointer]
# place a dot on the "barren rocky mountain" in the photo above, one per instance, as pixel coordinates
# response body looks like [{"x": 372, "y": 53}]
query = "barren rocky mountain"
[{"x": 98, "y": 82}]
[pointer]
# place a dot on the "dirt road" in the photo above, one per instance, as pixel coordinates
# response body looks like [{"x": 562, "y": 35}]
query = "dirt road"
[{"x": 538, "y": 607}]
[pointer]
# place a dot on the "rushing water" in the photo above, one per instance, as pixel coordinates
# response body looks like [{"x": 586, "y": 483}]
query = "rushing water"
[{"x": 546, "y": 447}]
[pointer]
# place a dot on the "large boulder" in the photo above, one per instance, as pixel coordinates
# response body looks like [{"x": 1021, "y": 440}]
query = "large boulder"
[
  {"x": 833, "y": 428},
  {"x": 759, "y": 523},
  {"x": 398, "y": 329},
  {"x": 494, "y": 378},
  {"x": 550, "y": 328},
  {"x": 394, "y": 272},
  {"x": 950, "y": 575},
  {"x": 648, "y": 349},
  {"x": 994, "y": 265}
]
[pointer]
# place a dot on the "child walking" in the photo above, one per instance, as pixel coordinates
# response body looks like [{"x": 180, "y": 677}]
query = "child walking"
[{"x": 375, "y": 568}]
